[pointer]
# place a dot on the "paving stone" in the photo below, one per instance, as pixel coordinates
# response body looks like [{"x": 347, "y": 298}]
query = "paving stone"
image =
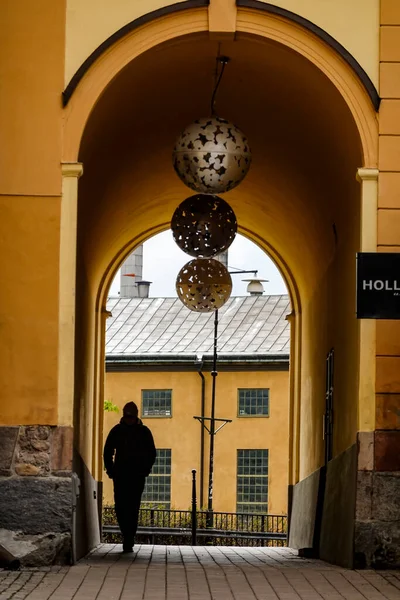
[{"x": 198, "y": 573}]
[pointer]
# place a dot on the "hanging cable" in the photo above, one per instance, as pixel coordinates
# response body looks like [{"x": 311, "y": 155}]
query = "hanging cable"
[{"x": 223, "y": 61}]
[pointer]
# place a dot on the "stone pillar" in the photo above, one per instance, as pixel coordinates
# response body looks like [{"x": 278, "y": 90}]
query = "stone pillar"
[
  {"x": 36, "y": 460},
  {"x": 377, "y": 529},
  {"x": 368, "y": 179},
  {"x": 377, "y": 536},
  {"x": 66, "y": 333}
]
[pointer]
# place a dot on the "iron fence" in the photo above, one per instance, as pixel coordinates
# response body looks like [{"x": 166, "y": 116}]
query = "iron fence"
[{"x": 167, "y": 526}]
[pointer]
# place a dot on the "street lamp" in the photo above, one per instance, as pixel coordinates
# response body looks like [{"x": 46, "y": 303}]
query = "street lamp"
[{"x": 211, "y": 156}]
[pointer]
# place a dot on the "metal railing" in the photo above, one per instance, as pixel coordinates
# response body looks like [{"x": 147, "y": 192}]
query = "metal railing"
[
  {"x": 178, "y": 526},
  {"x": 160, "y": 525}
]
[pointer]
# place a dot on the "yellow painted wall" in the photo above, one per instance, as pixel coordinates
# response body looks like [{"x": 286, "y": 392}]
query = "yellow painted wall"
[
  {"x": 300, "y": 188},
  {"x": 303, "y": 158},
  {"x": 31, "y": 74},
  {"x": 388, "y": 332},
  {"x": 181, "y": 432},
  {"x": 329, "y": 321},
  {"x": 354, "y": 24},
  {"x": 90, "y": 22},
  {"x": 248, "y": 433}
]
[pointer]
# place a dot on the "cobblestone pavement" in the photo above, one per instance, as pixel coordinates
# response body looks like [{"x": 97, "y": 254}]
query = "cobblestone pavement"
[{"x": 198, "y": 573}]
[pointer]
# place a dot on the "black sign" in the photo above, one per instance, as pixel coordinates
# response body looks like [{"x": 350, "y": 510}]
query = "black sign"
[{"x": 378, "y": 285}]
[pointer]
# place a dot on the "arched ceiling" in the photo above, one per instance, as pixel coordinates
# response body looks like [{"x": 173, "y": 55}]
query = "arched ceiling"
[{"x": 305, "y": 145}]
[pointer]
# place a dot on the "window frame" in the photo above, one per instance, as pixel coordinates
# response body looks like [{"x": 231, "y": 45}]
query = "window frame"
[
  {"x": 155, "y": 416},
  {"x": 167, "y": 476},
  {"x": 252, "y": 475},
  {"x": 247, "y": 416}
]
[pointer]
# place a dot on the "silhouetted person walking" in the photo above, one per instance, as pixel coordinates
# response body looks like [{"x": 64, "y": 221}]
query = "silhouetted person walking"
[{"x": 135, "y": 453}]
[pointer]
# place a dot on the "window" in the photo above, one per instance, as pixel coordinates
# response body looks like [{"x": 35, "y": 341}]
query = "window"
[
  {"x": 253, "y": 402},
  {"x": 158, "y": 485},
  {"x": 156, "y": 403},
  {"x": 252, "y": 481}
]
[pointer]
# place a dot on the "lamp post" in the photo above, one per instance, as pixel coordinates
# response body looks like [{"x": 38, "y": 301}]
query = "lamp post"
[
  {"x": 211, "y": 156},
  {"x": 214, "y": 374}
]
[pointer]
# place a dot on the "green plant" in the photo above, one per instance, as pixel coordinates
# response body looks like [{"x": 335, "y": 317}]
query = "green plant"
[{"x": 110, "y": 407}]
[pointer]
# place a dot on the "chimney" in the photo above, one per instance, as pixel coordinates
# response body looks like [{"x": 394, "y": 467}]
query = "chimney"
[
  {"x": 255, "y": 287},
  {"x": 143, "y": 288},
  {"x": 131, "y": 274}
]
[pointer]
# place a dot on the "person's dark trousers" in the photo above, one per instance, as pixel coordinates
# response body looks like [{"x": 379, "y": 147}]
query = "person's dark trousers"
[{"x": 127, "y": 495}]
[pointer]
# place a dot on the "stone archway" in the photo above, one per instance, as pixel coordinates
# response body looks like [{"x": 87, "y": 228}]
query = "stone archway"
[{"x": 301, "y": 198}]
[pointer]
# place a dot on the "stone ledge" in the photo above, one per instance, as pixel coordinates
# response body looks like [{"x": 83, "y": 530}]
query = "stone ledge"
[{"x": 61, "y": 473}]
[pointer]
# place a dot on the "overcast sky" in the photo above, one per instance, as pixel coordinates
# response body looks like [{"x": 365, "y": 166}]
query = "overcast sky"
[{"x": 162, "y": 261}]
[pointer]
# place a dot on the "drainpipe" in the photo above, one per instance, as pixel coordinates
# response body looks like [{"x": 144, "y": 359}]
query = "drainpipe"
[{"x": 203, "y": 401}]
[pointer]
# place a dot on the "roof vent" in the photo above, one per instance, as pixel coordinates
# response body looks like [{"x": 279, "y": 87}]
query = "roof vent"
[
  {"x": 255, "y": 287},
  {"x": 143, "y": 288}
]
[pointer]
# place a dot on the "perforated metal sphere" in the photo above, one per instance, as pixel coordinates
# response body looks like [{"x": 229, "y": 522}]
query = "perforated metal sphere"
[
  {"x": 204, "y": 225},
  {"x": 211, "y": 156},
  {"x": 204, "y": 285}
]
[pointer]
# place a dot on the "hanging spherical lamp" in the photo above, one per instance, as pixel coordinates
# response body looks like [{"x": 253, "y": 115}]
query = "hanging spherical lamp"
[
  {"x": 204, "y": 285},
  {"x": 204, "y": 225},
  {"x": 211, "y": 156}
]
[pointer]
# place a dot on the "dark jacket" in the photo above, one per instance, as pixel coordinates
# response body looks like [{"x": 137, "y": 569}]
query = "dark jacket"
[{"x": 134, "y": 450}]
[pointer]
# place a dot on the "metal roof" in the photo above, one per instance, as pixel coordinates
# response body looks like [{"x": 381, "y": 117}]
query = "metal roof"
[{"x": 164, "y": 326}]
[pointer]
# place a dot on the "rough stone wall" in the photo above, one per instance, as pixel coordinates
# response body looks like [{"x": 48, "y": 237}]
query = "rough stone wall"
[
  {"x": 377, "y": 526},
  {"x": 35, "y": 450},
  {"x": 36, "y": 493}
]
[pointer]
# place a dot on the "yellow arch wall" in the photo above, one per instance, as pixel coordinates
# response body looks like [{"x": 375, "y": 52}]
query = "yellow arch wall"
[
  {"x": 355, "y": 24},
  {"x": 91, "y": 22},
  {"x": 295, "y": 38},
  {"x": 195, "y": 21},
  {"x": 35, "y": 177}
]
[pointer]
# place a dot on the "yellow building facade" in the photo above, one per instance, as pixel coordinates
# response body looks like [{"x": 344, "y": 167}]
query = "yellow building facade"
[
  {"x": 93, "y": 98},
  {"x": 252, "y": 393},
  {"x": 181, "y": 433}
]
